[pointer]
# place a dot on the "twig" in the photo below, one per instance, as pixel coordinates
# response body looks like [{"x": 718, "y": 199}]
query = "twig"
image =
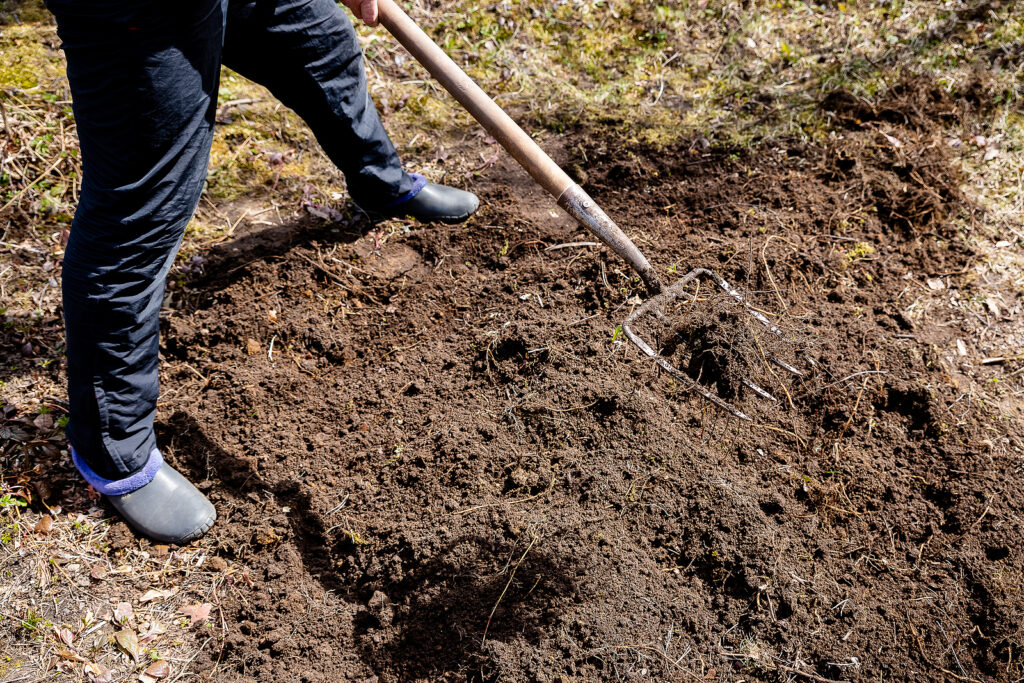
[
  {"x": 771, "y": 278},
  {"x": 7, "y": 126},
  {"x": 30, "y": 185},
  {"x": 856, "y": 374},
  {"x": 805, "y": 674},
  {"x": 533, "y": 539},
  {"x": 502, "y": 502},
  {"x": 570, "y": 245}
]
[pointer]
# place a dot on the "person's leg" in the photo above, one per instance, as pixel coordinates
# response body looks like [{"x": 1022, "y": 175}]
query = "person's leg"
[
  {"x": 307, "y": 53},
  {"x": 144, "y": 80}
]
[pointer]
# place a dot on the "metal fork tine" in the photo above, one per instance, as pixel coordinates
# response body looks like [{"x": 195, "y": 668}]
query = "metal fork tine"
[
  {"x": 786, "y": 366},
  {"x": 675, "y": 291},
  {"x": 759, "y": 391},
  {"x": 687, "y": 381}
]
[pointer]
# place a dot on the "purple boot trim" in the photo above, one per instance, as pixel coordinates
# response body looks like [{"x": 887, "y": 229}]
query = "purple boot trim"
[
  {"x": 418, "y": 183},
  {"x": 119, "y": 487}
]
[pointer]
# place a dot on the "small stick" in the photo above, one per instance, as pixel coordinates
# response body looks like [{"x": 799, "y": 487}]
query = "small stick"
[
  {"x": 806, "y": 674},
  {"x": 30, "y": 185},
  {"x": 856, "y": 374},
  {"x": 533, "y": 539},
  {"x": 7, "y": 126},
  {"x": 570, "y": 245}
]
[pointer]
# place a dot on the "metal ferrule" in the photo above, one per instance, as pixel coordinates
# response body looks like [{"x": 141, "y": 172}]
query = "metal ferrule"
[{"x": 587, "y": 213}]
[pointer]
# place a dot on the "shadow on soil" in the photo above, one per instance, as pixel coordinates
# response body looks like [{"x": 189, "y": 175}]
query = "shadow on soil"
[{"x": 417, "y": 613}]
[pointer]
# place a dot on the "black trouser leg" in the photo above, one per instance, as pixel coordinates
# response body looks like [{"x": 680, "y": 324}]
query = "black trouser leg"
[
  {"x": 306, "y": 52},
  {"x": 144, "y": 80}
]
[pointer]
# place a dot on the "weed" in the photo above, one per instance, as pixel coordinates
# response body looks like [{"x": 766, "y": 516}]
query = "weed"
[{"x": 7, "y": 500}]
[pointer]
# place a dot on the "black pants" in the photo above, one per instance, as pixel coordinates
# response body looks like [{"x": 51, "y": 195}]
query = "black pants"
[{"x": 144, "y": 78}]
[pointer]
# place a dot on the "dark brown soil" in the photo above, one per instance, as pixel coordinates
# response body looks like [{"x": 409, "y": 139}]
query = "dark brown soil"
[{"x": 453, "y": 468}]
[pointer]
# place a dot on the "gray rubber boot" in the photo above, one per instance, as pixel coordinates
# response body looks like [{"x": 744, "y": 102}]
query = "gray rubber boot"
[
  {"x": 168, "y": 509},
  {"x": 439, "y": 203}
]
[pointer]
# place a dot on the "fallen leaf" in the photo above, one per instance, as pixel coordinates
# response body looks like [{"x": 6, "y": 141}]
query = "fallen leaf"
[
  {"x": 98, "y": 571},
  {"x": 155, "y": 594},
  {"x": 66, "y": 635},
  {"x": 105, "y": 675},
  {"x": 197, "y": 612},
  {"x": 44, "y": 421},
  {"x": 74, "y": 657},
  {"x": 892, "y": 141},
  {"x": 159, "y": 669},
  {"x": 94, "y": 668},
  {"x": 123, "y": 612},
  {"x": 151, "y": 631},
  {"x": 128, "y": 641},
  {"x": 44, "y": 525}
]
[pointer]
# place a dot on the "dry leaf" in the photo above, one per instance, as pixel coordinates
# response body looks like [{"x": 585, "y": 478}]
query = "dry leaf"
[
  {"x": 128, "y": 641},
  {"x": 151, "y": 630},
  {"x": 891, "y": 140},
  {"x": 105, "y": 676},
  {"x": 98, "y": 571},
  {"x": 44, "y": 525},
  {"x": 74, "y": 657},
  {"x": 159, "y": 669},
  {"x": 100, "y": 673},
  {"x": 66, "y": 635},
  {"x": 123, "y": 612},
  {"x": 197, "y": 612},
  {"x": 155, "y": 594}
]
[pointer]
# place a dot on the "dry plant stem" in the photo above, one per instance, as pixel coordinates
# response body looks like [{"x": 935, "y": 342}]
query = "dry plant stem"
[
  {"x": 810, "y": 676},
  {"x": 31, "y": 185},
  {"x": 501, "y": 502},
  {"x": 7, "y": 125},
  {"x": 768, "y": 270},
  {"x": 789, "y": 399},
  {"x": 533, "y": 539}
]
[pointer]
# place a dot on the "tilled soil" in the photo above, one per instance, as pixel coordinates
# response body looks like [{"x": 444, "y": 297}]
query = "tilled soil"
[{"x": 442, "y": 461}]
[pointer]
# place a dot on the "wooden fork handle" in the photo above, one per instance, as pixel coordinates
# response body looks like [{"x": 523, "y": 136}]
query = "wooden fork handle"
[{"x": 507, "y": 132}]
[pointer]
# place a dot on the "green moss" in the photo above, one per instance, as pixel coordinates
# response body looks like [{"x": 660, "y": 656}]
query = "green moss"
[
  {"x": 28, "y": 59},
  {"x": 23, "y": 11}
]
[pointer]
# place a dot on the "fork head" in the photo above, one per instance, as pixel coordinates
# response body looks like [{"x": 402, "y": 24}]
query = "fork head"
[{"x": 709, "y": 359}]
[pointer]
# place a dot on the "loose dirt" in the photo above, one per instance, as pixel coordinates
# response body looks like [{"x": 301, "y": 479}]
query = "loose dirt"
[{"x": 442, "y": 462}]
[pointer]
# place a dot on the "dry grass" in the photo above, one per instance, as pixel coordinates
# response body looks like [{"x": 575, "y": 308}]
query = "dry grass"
[{"x": 735, "y": 74}]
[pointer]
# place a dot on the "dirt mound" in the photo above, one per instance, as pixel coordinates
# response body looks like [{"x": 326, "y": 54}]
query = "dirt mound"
[{"x": 444, "y": 462}]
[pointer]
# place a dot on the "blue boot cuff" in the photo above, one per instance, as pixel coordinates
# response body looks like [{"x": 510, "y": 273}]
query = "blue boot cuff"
[
  {"x": 119, "y": 487},
  {"x": 418, "y": 183}
]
